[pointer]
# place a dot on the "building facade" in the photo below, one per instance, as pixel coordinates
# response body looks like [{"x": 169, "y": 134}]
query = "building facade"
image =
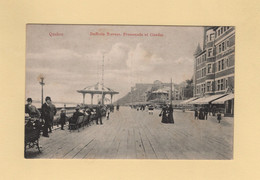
[{"x": 214, "y": 64}]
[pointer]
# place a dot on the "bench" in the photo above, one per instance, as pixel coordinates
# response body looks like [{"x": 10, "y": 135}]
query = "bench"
[
  {"x": 32, "y": 135},
  {"x": 76, "y": 125}
]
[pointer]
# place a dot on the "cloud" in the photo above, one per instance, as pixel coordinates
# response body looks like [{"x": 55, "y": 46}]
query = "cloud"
[
  {"x": 142, "y": 60},
  {"x": 184, "y": 60}
]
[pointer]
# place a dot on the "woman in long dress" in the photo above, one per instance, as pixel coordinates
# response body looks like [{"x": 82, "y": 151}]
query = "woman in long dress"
[
  {"x": 164, "y": 115},
  {"x": 170, "y": 115}
]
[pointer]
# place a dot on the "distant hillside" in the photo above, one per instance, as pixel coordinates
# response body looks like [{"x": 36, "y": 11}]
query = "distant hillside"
[{"x": 136, "y": 95}]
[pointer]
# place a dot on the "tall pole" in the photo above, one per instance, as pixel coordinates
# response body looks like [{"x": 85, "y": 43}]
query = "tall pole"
[
  {"x": 102, "y": 101},
  {"x": 171, "y": 92},
  {"x": 42, "y": 84}
]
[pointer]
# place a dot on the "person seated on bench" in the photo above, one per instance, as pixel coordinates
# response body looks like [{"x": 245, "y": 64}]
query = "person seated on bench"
[
  {"x": 31, "y": 109},
  {"x": 75, "y": 115}
]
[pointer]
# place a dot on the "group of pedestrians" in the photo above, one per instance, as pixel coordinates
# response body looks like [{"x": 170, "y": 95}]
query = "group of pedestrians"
[
  {"x": 92, "y": 113},
  {"x": 167, "y": 114},
  {"x": 203, "y": 113},
  {"x": 48, "y": 111}
]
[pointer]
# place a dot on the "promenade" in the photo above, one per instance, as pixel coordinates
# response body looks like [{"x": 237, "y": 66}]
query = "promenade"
[{"x": 131, "y": 134}]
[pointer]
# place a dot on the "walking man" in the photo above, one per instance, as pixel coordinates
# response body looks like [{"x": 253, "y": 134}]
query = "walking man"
[
  {"x": 99, "y": 115},
  {"x": 47, "y": 115}
]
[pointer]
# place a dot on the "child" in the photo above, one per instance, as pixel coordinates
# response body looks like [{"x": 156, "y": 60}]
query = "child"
[
  {"x": 219, "y": 117},
  {"x": 108, "y": 113},
  {"x": 62, "y": 118}
]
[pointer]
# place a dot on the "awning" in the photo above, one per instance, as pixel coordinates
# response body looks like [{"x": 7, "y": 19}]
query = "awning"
[
  {"x": 208, "y": 99},
  {"x": 189, "y": 100},
  {"x": 223, "y": 99}
]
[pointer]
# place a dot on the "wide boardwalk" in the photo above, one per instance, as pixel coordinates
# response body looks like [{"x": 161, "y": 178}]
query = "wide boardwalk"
[{"x": 131, "y": 134}]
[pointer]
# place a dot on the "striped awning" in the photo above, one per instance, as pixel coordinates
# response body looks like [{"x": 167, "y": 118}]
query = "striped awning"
[
  {"x": 224, "y": 99},
  {"x": 207, "y": 99}
]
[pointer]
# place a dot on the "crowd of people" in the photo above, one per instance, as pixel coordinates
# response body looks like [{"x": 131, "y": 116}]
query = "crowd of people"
[
  {"x": 45, "y": 118},
  {"x": 203, "y": 112},
  {"x": 33, "y": 115}
]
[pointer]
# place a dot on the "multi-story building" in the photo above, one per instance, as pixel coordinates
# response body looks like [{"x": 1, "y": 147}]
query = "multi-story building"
[{"x": 214, "y": 66}]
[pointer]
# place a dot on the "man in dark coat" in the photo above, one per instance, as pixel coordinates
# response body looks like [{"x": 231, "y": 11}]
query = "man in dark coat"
[
  {"x": 99, "y": 115},
  {"x": 62, "y": 118},
  {"x": 75, "y": 115},
  {"x": 201, "y": 114},
  {"x": 46, "y": 114}
]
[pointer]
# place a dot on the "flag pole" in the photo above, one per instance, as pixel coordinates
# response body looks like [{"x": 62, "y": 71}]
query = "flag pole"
[{"x": 171, "y": 93}]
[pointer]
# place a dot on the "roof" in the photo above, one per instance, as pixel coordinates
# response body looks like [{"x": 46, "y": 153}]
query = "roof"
[
  {"x": 223, "y": 99},
  {"x": 198, "y": 50},
  {"x": 207, "y": 99},
  {"x": 97, "y": 89},
  {"x": 189, "y": 100}
]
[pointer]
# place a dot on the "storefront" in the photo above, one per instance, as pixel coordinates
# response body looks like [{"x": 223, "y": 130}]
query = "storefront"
[{"x": 228, "y": 102}]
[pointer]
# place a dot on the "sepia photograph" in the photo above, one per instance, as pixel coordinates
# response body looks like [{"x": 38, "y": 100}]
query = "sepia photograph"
[{"x": 129, "y": 92}]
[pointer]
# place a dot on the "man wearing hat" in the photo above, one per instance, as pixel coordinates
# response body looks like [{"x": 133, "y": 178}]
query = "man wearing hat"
[
  {"x": 62, "y": 118},
  {"x": 48, "y": 112},
  {"x": 75, "y": 115}
]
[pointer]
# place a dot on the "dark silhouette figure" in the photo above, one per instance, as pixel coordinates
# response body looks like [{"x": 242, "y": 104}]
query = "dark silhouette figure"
[{"x": 170, "y": 114}]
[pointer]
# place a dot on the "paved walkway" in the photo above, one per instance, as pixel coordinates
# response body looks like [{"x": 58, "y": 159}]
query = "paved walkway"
[{"x": 131, "y": 134}]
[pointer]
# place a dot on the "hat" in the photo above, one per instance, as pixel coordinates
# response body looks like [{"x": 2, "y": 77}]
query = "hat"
[
  {"x": 29, "y": 100},
  {"x": 48, "y": 98}
]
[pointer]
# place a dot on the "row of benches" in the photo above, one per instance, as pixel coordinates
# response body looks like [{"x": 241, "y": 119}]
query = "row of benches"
[{"x": 82, "y": 121}]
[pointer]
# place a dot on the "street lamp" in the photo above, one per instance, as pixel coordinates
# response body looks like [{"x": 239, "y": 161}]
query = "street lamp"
[{"x": 42, "y": 84}]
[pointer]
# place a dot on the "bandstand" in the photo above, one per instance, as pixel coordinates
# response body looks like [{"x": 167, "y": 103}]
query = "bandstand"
[{"x": 97, "y": 89}]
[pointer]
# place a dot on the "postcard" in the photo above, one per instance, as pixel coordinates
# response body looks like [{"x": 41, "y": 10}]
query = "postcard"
[{"x": 129, "y": 92}]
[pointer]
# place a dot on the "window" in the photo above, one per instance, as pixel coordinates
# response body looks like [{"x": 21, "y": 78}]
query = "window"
[
  {"x": 225, "y": 28},
  {"x": 211, "y": 37},
  {"x": 227, "y": 62},
  {"x": 209, "y": 68},
  {"x": 219, "y": 48},
  {"x": 223, "y": 46},
  {"x": 208, "y": 86},
  {"x": 219, "y": 66},
  {"x": 218, "y": 85},
  {"x": 226, "y": 83},
  {"x": 210, "y": 52},
  {"x": 227, "y": 43},
  {"x": 222, "y": 64},
  {"x": 222, "y": 84},
  {"x": 207, "y": 38},
  {"x": 219, "y": 32}
]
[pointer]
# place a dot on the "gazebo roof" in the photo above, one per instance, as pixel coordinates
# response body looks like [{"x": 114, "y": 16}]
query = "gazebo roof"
[{"x": 97, "y": 89}]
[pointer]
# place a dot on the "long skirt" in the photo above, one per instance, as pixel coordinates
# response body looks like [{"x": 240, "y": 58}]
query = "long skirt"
[{"x": 170, "y": 118}]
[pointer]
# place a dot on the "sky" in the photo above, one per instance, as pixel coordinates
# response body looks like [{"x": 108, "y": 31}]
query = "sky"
[{"x": 70, "y": 57}]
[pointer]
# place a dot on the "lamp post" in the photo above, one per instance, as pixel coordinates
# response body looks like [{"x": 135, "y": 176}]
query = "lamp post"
[{"x": 42, "y": 84}]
